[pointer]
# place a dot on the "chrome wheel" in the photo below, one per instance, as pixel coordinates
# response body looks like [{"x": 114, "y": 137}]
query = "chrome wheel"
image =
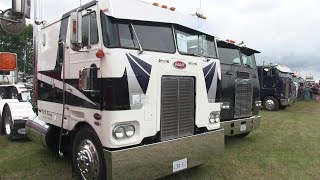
[
  {"x": 269, "y": 104},
  {"x": 88, "y": 160}
]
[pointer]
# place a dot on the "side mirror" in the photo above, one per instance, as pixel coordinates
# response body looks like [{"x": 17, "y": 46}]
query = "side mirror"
[
  {"x": 76, "y": 30},
  {"x": 21, "y": 8},
  {"x": 88, "y": 79}
]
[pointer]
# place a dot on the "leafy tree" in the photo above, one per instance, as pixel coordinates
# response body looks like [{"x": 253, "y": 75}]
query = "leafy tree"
[{"x": 22, "y": 45}]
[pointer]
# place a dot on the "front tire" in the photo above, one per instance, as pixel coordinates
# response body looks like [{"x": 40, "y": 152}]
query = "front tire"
[
  {"x": 270, "y": 103},
  {"x": 87, "y": 155}
]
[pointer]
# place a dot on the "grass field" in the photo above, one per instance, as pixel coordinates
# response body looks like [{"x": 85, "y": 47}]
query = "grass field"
[{"x": 286, "y": 146}]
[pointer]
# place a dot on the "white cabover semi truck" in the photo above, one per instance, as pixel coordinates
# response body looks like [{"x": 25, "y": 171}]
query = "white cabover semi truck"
[{"x": 123, "y": 85}]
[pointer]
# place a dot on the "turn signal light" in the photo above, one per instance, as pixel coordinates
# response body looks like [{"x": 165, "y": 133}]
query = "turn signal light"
[
  {"x": 100, "y": 54},
  {"x": 74, "y": 27},
  {"x": 8, "y": 61},
  {"x": 231, "y": 41}
]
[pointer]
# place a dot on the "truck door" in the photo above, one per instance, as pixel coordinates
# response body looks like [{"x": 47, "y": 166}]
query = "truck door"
[{"x": 268, "y": 78}]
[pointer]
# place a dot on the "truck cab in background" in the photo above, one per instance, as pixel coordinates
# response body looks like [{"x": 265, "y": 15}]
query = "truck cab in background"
[
  {"x": 276, "y": 87},
  {"x": 239, "y": 89}
]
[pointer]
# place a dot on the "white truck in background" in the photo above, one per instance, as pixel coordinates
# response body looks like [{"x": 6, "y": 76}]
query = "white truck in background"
[
  {"x": 15, "y": 107},
  {"x": 120, "y": 85}
]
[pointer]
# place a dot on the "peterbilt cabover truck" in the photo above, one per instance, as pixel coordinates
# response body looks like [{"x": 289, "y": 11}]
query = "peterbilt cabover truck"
[
  {"x": 276, "y": 87},
  {"x": 121, "y": 86},
  {"x": 239, "y": 89}
]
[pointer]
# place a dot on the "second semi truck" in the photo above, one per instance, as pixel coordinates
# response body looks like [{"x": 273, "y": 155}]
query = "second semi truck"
[{"x": 239, "y": 89}]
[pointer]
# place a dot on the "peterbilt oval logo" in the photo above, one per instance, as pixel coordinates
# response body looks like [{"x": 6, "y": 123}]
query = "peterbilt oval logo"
[{"x": 179, "y": 65}]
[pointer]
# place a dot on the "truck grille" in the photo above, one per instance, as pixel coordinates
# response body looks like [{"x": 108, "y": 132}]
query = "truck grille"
[
  {"x": 177, "y": 107},
  {"x": 286, "y": 95},
  {"x": 243, "y": 98}
]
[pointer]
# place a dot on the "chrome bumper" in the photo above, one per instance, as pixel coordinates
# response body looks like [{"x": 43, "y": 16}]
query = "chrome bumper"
[
  {"x": 240, "y": 126},
  {"x": 156, "y": 160},
  {"x": 286, "y": 102}
]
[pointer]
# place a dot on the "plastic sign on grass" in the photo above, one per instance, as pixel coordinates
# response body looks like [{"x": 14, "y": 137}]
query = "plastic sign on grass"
[{"x": 8, "y": 61}]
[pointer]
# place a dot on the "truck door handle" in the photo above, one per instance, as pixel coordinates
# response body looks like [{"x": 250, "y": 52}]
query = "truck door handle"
[
  {"x": 192, "y": 63},
  {"x": 163, "y": 60}
]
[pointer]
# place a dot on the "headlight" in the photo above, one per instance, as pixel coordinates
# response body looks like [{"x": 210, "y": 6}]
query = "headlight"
[
  {"x": 214, "y": 117},
  {"x": 130, "y": 130},
  {"x": 225, "y": 105},
  {"x": 258, "y": 103},
  {"x": 119, "y": 132},
  {"x": 124, "y": 131}
]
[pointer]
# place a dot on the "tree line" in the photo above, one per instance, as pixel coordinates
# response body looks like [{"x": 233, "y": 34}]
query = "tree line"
[{"x": 22, "y": 45}]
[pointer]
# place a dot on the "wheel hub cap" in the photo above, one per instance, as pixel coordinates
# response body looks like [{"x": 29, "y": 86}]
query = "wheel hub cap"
[
  {"x": 269, "y": 104},
  {"x": 88, "y": 160}
]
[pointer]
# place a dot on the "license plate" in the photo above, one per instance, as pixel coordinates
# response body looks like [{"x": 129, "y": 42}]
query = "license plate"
[
  {"x": 180, "y": 165},
  {"x": 243, "y": 127}
]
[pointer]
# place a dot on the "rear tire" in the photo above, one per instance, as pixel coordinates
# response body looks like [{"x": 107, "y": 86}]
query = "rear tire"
[
  {"x": 243, "y": 135},
  {"x": 8, "y": 123},
  {"x": 2, "y": 93},
  {"x": 13, "y": 93},
  {"x": 86, "y": 145},
  {"x": 270, "y": 103}
]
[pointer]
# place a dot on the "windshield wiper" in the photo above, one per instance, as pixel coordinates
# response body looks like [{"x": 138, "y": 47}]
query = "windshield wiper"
[{"x": 135, "y": 34}]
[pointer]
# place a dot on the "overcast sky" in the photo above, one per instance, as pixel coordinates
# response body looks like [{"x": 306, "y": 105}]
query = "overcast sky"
[{"x": 285, "y": 31}]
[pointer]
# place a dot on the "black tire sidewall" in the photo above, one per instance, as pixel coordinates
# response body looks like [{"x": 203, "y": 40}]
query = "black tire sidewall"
[
  {"x": 276, "y": 103},
  {"x": 88, "y": 133}
]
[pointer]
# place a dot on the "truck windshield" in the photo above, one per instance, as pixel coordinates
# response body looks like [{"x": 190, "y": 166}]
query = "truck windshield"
[
  {"x": 249, "y": 61},
  {"x": 152, "y": 36},
  {"x": 229, "y": 56},
  {"x": 195, "y": 43}
]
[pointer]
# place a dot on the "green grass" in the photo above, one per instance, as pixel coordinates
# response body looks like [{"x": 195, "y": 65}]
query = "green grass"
[{"x": 286, "y": 146}]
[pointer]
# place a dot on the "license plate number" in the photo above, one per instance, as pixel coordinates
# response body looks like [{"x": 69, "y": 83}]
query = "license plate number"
[
  {"x": 243, "y": 127},
  {"x": 180, "y": 165}
]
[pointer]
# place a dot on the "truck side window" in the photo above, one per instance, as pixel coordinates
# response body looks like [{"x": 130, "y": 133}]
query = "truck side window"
[
  {"x": 268, "y": 72},
  {"x": 94, "y": 39}
]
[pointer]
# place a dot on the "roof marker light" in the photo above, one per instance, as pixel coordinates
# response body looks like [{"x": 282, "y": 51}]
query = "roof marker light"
[
  {"x": 155, "y": 4},
  {"x": 172, "y": 9},
  {"x": 164, "y": 6},
  {"x": 231, "y": 41}
]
